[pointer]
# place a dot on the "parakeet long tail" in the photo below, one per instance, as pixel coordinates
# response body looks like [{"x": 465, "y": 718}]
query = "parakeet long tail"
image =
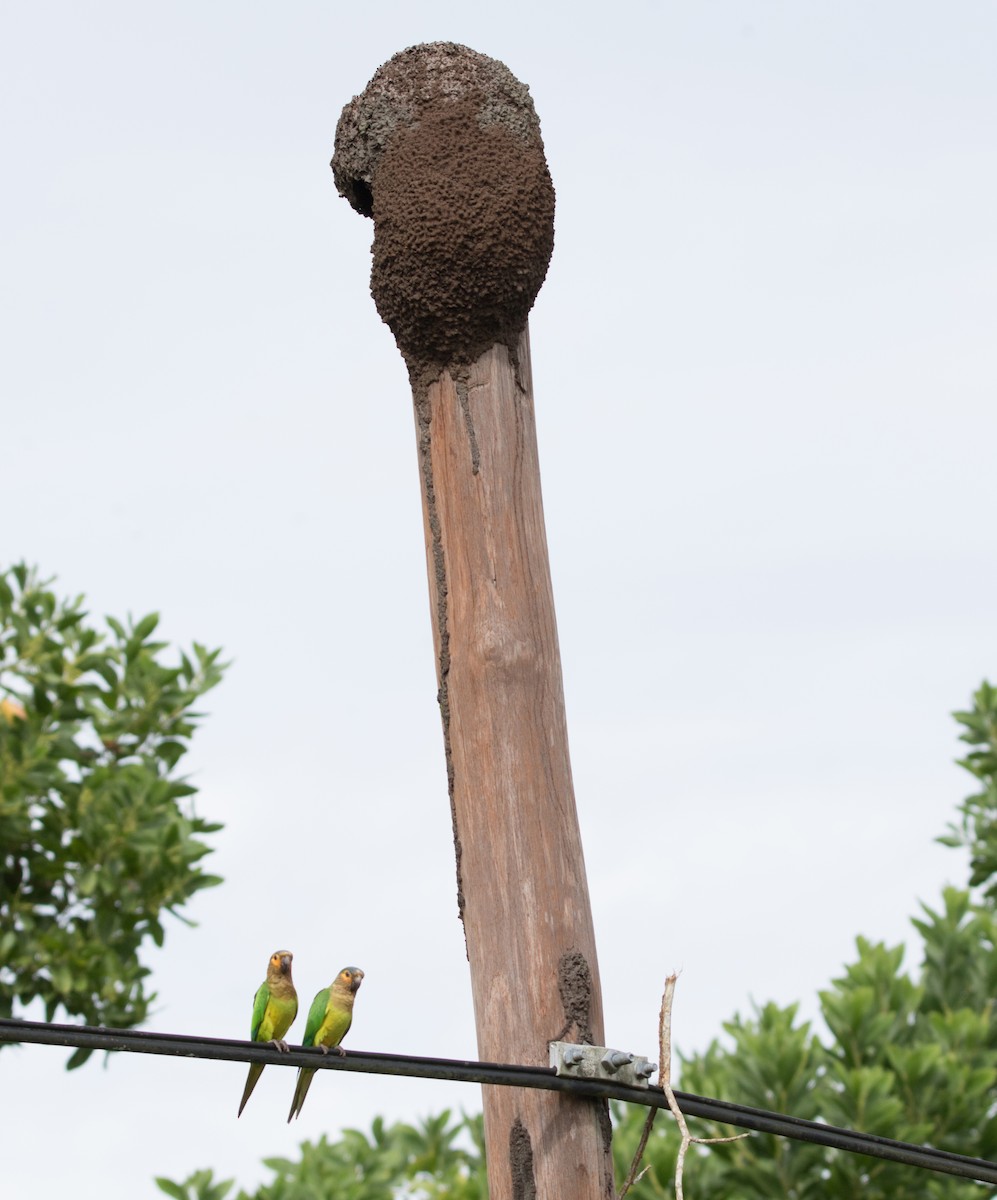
[
  {"x": 300, "y": 1092},
  {"x": 255, "y": 1071}
]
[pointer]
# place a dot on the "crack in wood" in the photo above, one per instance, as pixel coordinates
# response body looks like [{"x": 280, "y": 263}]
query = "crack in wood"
[
  {"x": 423, "y": 413},
  {"x": 465, "y": 408},
  {"x": 513, "y": 347}
]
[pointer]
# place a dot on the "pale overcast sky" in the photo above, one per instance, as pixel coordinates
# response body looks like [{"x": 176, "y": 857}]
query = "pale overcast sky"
[{"x": 764, "y": 365}]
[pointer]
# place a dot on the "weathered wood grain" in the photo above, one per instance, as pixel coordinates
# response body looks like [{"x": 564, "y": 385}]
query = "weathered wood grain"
[{"x": 522, "y": 888}]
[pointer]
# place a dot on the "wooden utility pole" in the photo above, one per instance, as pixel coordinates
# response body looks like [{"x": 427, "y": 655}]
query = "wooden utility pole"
[{"x": 443, "y": 150}]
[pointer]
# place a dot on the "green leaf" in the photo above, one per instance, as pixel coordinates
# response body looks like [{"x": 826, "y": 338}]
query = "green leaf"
[
  {"x": 117, "y": 628},
  {"x": 171, "y": 752},
  {"x": 104, "y": 668},
  {"x": 78, "y": 1058},
  {"x": 172, "y": 1189},
  {"x": 145, "y": 627},
  {"x": 208, "y": 881}
]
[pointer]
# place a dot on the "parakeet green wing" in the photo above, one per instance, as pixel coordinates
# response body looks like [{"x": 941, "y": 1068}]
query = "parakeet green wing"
[
  {"x": 259, "y": 1009},
  {"x": 316, "y": 1015}
]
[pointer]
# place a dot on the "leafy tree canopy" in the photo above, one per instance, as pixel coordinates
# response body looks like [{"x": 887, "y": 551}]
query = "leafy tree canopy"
[
  {"x": 98, "y": 838},
  {"x": 392, "y": 1162}
]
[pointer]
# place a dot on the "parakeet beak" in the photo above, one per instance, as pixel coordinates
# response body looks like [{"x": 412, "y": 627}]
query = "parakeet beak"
[
  {"x": 356, "y": 981},
  {"x": 285, "y": 964}
]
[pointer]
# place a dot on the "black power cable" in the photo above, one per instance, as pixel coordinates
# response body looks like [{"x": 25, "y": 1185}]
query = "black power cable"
[{"x": 137, "y": 1041}]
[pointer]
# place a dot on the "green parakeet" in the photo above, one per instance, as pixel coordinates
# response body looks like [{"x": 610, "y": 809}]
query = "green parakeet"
[
  {"x": 275, "y": 1007},
  {"x": 329, "y": 1019}
]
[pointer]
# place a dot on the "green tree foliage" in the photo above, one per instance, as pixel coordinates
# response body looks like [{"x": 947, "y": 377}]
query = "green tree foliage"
[
  {"x": 97, "y": 836},
  {"x": 393, "y": 1162},
  {"x": 978, "y": 828},
  {"x": 911, "y": 1056}
]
